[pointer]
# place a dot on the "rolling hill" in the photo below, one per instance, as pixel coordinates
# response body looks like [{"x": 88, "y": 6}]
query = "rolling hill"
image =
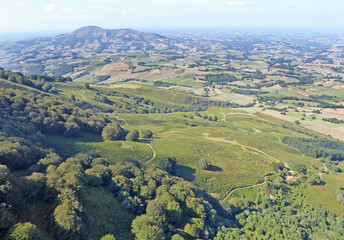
[{"x": 38, "y": 55}]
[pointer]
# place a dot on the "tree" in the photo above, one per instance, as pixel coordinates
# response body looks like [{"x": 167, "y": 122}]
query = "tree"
[
  {"x": 177, "y": 237},
  {"x": 68, "y": 225},
  {"x": 108, "y": 237},
  {"x": 298, "y": 167},
  {"x": 113, "y": 132},
  {"x": 7, "y": 219},
  {"x": 204, "y": 163},
  {"x": 133, "y": 136},
  {"x": 25, "y": 231},
  {"x": 156, "y": 210},
  {"x": 146, "y": 228},
  {"x": 146, "y": 133},
  {"x": 87, "y": 86},
  {"x": 168, "y": 164}
]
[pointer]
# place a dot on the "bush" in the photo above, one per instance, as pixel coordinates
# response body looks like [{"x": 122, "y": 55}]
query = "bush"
[
  {"x": 113, "y": 132},
  {"x": 298, "y": 167},
  {"x": 168, "y": 164},
  {"x": 204, "y": 163},
  {"x": 133, "y": 136},
  {"x": 25, "y": 231},
  {"x": 146, "y": 134}
]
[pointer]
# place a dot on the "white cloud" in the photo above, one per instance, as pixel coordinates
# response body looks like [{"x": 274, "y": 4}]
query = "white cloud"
[
  {"x": 235, "y": 3},
  {"x": 51, "y": 7}
]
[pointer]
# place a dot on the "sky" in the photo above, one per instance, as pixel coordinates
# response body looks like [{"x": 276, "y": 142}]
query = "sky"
[{"x": 67, "y": 15}]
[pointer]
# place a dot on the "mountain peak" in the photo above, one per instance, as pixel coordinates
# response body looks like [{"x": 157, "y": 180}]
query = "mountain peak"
[{"x": 88, "y": 30}]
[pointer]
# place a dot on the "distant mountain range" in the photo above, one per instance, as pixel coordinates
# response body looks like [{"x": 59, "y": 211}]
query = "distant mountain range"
[{"x": 40, "y": 55}]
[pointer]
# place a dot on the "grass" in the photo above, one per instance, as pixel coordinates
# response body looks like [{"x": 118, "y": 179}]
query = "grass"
[
  {"x": 113, "y": 151},
  {"x": 241, "y": 145}
]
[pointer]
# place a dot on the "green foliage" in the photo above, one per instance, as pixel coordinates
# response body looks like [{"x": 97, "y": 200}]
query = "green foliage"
[
  {"x": 113, "y": 132},
  {"x": 177, "y": 237},
  {"x": 167, "y": 164},
  {"x": 146, "y": 228},
  {"x": 133, "y": 135},
  {"x": 146, "y": 133},
  {"x": 277, "y": 166},
  {"x": 221, "y": 79},
  {"x": 25, "y": 231},
  {"x": 108, "y": 237},
  {"x": 7, "y": 219},
  {"x": 298, "y": 167},
  {"x": 318, "y": 148},
  {"x": 67, "y": 223},
  {"x": 156, "y": 210},
  {"x": 204, "y": 163}
]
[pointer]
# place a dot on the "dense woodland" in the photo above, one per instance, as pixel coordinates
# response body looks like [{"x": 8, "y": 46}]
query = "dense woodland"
[
  {"x": 155, "y": 203},
  {"x": 318, "y": 148}
]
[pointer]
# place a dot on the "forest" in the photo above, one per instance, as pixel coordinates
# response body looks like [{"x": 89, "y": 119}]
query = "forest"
[{"x": 318, "y": 148}]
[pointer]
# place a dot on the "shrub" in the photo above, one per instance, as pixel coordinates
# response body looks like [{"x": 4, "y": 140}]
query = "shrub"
[
  {"x": 168, "y": 164},
  {"x": 113, "y": 132},
  {"x": 298, "y": 167},
  {"x": 146, "y": 134},
  {"x": 133, "y": 136},
  {"x": 204, "y": 163}
]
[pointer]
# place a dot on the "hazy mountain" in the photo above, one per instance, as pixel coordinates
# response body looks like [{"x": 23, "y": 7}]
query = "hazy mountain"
[{"x": 39, "y": 55}]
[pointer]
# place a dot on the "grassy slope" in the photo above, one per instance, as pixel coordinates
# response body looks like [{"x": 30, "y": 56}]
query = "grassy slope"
[{"x": 235, "y": 165}]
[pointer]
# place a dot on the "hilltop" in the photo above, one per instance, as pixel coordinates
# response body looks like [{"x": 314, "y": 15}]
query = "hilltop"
[{"x": 34, "y": 56}]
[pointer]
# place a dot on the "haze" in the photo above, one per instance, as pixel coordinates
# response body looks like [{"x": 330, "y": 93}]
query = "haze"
[{"x": 63, "y": 15}]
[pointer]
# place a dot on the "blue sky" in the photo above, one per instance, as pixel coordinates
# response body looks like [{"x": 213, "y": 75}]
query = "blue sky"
[{"x": 66, "y": 15}]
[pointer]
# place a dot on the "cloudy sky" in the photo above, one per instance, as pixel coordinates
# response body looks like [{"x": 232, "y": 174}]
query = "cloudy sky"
[{"x": 66, "y": 15}]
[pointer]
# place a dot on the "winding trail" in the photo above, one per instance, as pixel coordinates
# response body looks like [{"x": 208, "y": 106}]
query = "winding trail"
[
  {"x": 231, "y": 142},
  {"x": 171, "y": 101},
  {"x": 242, "y": 146},
  {"x": 154, "y": 154},
  {"x": 251, "y": 186}
]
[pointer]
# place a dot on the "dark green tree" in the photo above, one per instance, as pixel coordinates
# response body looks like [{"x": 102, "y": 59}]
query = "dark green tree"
[
  {"x": 146, "y": 133},
  {"x": 133, "y": 136},
  {"x": 113, "y": 132},
  {"x": 168, "y": 164}
]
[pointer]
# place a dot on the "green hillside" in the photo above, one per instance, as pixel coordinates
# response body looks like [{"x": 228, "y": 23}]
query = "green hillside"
[{"x": 70, "y": 166}]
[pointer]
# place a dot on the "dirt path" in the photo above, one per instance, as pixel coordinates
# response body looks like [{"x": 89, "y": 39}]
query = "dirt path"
[
  {"x": 248, "y": 114},
  {"x": 242, "y": 146},
  {"x": 154, "y": 154},
  {"x": 325, "y": 167},
  {"x": 171, "y": 101},
  {"x": 251, "y": 186},
  {"x": 224, "y": 117},
  {"x": 84, "y": 98},
  {"x": 231, "y": 142}
]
